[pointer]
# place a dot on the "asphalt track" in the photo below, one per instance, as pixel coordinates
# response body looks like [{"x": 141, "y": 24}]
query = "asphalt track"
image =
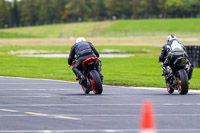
[{"x": 50, "y": 106}]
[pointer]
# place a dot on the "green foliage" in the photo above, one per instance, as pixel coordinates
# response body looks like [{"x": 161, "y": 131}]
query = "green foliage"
[
  {"x": 118, "y": 8},
  {"x": 37, "y": 12},
  {"x": 4, "y": 13},
  {"x": 76, "y": 9},
  {"x": 15, "y": 35},
  {"x": 28, "y": 12},
  {"x": 175, "y": 7},
  {"x": 141, "y": 8}
]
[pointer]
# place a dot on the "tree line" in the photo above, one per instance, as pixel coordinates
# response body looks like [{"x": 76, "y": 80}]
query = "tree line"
[{"x": 15, "y": 13}]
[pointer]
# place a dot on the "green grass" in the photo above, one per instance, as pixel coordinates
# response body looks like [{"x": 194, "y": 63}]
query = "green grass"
[
  {"x": 57, "y": 30},
  {"x": 15, "y": 35},
  {"x": 107, "y": 29},
  {"x": 152, "y": 27},
  {"x": 142, "y": 69}
]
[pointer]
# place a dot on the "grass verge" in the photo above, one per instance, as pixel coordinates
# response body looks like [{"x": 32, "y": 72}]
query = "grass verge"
[
  {"x": 142, "y": 69},
  {"x": 119, "y": 28}
]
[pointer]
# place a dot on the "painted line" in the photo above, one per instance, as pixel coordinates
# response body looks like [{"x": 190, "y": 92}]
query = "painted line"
[
  {"x": 28, "y": 96},
  {"x": 73, "y": 116},
  {"x": 125, "y": 115},
  {"x": 136, "y": 104},
  {"x": 67, "y": 117},
  {"x": 35, "y": 89},
  {"x": 97, "y": 130},
  {"x": 55, "y": 116},
  {"x": 29, "y": 83},
  {"x": 39, "y": 79},
  {"x": 37, "y": 114},
  {"x": 14, "y": 115},
  {"x": 9, "y": 110}
]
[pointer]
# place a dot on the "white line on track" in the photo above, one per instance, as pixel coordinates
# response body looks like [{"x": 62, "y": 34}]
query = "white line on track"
[
  {"x": 29, "y": 83},
  {"x": 136, "y": 104},
  {"x": 125, "y": 115},
  {"x": 66, "y": 117},
  {"x": 38, "y": 79},
  {"x": 9, "y": 110},
  {"x": 37, "y": 114},
  {"x": 96, "y": 130},
  {"x": 35, "y": 89}
]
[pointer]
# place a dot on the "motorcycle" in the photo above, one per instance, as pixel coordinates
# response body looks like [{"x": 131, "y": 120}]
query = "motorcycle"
[
  {"x": 177, "y": 77},
  {"x": 93, "y": 81}
]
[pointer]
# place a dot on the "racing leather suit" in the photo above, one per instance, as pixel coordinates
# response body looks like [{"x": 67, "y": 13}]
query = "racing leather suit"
[
  {"x": 170, "y": 52},
  {"x": 79, "y": 52}
]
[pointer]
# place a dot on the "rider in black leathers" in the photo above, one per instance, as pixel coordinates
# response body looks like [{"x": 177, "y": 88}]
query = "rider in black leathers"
[
  {"x": 171, "y": 51},
  {"x": 80, "y": 51}
]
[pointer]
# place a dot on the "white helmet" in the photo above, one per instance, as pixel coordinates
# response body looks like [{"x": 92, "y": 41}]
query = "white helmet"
[
  {"x": 80, "y": 39},
  {"x": 170, "y": 37}
]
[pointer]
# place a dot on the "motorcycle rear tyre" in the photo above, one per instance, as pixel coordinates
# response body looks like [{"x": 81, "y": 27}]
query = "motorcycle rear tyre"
[
  {"x": 96, "y": 82},
  {"x": 183, "y": 83}
]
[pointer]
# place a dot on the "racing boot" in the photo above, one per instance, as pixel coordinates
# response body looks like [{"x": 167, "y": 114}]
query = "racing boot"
[
  {"x": 81, "y": 78},
  {"x": 79, "y": 74},
  {"x": 164, "y": 69},
  {"x": 98, "y": 67}
]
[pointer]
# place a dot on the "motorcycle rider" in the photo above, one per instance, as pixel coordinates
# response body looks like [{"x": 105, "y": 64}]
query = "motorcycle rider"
[
  {"x": 80, "y": 51},
  {"x": 170, "y": 52}
]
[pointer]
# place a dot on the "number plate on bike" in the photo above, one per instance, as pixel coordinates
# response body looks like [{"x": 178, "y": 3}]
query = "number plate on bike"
[{"x": 183, "y": 60}]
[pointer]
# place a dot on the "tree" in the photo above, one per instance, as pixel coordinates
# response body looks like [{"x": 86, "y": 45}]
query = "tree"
[
  {"x": 46, "y": 13},
  {"x": 192, "y": 7},
  {"x": 4, "y": 13},
  {"x": 59, "y": 8},
  {"x": 76, "y": 9},
  {"x": 15, "y": 13},
  {"x": 161, "y": 8},
  {"x": 118, "y": 8},
  {"x": 28, "y": 11},
  {"x": 141, "y": 8},
  {"x": 175, "y": 8},
  {"x": 98, "y": 10}
]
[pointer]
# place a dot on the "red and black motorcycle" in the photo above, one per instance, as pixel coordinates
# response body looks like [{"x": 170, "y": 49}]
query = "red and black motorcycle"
[{"x": 93, "y": 81}]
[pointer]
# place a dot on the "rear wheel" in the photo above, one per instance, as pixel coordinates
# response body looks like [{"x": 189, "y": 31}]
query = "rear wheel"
[
  {"x": 96, "y": 82},
  {"x": 182, "y": 79}
]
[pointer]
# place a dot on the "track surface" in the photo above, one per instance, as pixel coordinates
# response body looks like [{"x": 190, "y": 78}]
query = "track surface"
[{"x": 48, "y": 106}]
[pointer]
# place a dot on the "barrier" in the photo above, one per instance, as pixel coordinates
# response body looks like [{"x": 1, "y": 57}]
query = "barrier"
[{"x": 194, "y": 54}]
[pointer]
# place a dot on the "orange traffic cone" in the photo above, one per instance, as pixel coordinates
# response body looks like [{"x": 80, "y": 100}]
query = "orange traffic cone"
[{"x": 147, "y": 119}]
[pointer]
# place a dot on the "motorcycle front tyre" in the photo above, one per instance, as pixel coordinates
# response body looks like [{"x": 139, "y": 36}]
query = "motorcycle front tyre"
[{"x": 169, "y": 89}]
